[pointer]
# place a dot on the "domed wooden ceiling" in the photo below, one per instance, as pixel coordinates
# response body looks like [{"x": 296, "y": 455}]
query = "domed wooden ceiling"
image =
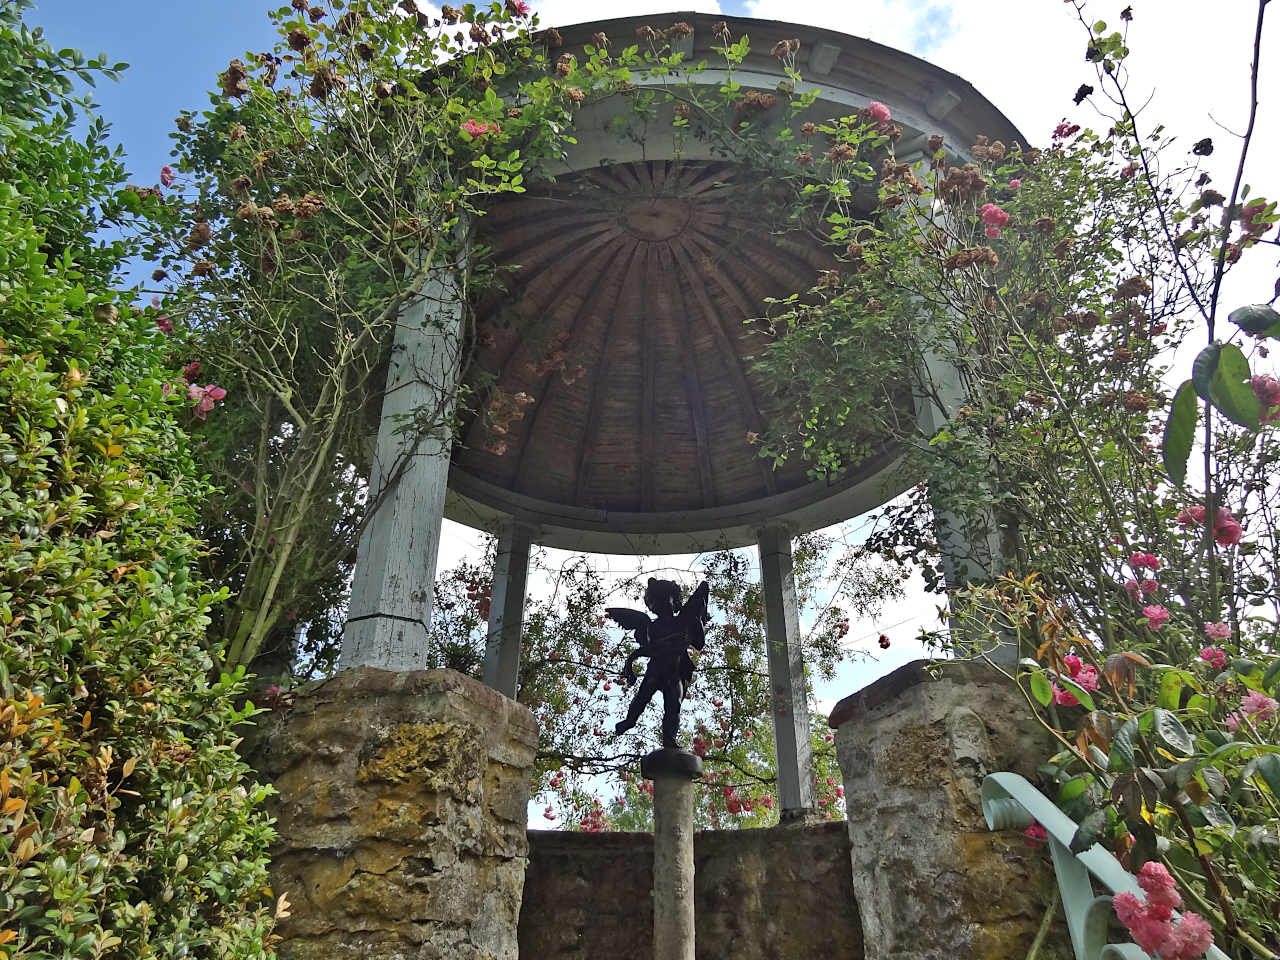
[{"x": 618, "y": 344}]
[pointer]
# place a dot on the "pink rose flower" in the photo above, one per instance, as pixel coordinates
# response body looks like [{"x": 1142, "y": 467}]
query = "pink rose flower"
[
  {"x": 1063, "y": 698},
  {"x": 1151, "y": 923},
  {"x": 1128, "y": 170},
  {"x": 1014, "y": 184},
  {"x": 190, "y": 371},
  {"x": 1257, "y": 704},
  {"x": 1191, "y": 938},
  {"x": 879, "y": 113},
  {"x": 993, "y": 233},
  {"x": 1190, "y": 515},
  {"x": 1215, "y": 657},
  {"x": 992, "y": 215},
  {"x": 1064, "y": 130},
  {"x": 1036, "y": 834},
  {"x": 1149, "y": 587},
  {"x": 475, "y": 128},
  {"x": 167, "y": 176},
  {"x": 1087, "y": 678},
  {"x": 1156, "y": 616},
  {"x": 1147, "y": 561},
  {"x": 1267, "y": 390},
  {"x": 1217, "y": 631},
  {"x": 1233, "y": 721},
  {"x": 1073, "y": 664},
  {"x": 205, "y": 397},
  {"x": 1227, "y": 531},
  {"x": 1161, "y": 890},
  {"x": 164, "y": 323}
]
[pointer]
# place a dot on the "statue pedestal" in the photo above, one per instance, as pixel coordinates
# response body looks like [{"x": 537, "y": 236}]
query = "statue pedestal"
[{"x": 672, "y": 773}]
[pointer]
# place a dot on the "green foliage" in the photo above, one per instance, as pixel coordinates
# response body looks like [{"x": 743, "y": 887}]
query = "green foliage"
[
  {"x": 1023, "y": 308},
  {"x": 128, "y": 824}
]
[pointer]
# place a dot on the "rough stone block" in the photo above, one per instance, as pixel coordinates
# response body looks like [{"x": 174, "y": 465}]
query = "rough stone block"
[
  {"x": 401, "y": 816},
  {"x": 931, "y": 881}
]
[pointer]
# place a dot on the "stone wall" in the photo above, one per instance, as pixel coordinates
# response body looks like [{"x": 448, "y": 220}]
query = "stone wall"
[
  {"x": 783, "y": 893},
  {"x": 931, "y": 881},
  {"x": 402, "y": 814}
]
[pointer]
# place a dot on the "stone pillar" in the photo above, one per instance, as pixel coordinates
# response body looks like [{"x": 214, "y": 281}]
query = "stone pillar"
[
  {"x": 931, "y": 881},
  {"x": 791, "y": 736},
  {"x": 672, "y": 773},
  {"x": 401, "y": 816},
  {"x": 506, "y": 609},
  {"x": 394, "y": 580}
]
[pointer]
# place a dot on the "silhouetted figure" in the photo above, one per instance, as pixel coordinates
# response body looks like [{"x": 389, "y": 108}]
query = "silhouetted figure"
[{"x": 665, "y": 641}]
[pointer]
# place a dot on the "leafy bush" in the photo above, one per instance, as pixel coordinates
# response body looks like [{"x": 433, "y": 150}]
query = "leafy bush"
[{"x": 127, "y": 825}]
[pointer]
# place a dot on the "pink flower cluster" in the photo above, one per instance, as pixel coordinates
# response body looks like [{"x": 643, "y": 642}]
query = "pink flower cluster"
[
  {"x": 880, "y": 114},
  {"x": 1255, "y": 706},
  {"x": 994, "y": 218},
  {"x": 1137, "y": 588},
  {"x": 1215, "y": 657},
  {"x": 1217, "y": 631},
  {"x": 1267, "y": 390},
  {"x": 1036, "y": 834},
  {"x": 1084, "y": 674},
  {"x": 167, "y": 176},
  {"x": 1157, "y": 616},
  {"x": 1128, "y": 170},
  {"x": 205, "y": 398},
  {"x": 477, "y": 128},
  {"x": 1144, "y": 561},
  {"x": 1227, "y": 530},
  {"x": 1151, "y": 922},
  {"x": 1064, "y": 130}
]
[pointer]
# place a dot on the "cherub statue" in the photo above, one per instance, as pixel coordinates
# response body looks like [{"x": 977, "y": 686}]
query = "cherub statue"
[{"x": 665, "y": 641}]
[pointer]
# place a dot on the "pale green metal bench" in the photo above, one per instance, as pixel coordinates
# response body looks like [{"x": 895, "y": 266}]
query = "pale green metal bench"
[{"x": 1010, "y": 802}]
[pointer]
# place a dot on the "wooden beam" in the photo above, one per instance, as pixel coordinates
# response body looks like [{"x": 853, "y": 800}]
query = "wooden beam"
[
  {"x": 648, "y": 383},
  {"x": 582, "y": 457},
  {"x": 580, "y": 252},
  {"x": 601, "y": 272},
  {"x": 733, "y": 360},
  {"x": 692, "y": 381}
]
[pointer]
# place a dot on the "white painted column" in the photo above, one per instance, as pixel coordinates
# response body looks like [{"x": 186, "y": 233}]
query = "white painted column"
[
  {"x": 506, "y": 608},
  {"x": 793, "y": 748},
  {"x": 394, "y": 581}
]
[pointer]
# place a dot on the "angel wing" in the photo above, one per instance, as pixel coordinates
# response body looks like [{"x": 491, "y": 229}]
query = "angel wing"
[{"x": 635, "y": 620}]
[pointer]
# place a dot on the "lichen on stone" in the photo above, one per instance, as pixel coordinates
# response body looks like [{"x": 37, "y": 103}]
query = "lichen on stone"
[{"x": 441, "y": 756}]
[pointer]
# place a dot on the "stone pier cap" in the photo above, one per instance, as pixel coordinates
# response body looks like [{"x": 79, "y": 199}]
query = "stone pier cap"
[{"x": 669, "y": 762}]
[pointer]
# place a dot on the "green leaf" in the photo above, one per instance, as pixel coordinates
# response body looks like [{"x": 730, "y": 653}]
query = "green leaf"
[
  {"x": 1268, "y": 767},
  {"x": 1179, "y": 432},
  {"x": 1072, "y": 789},
  {"x": 1080, "y": 692},
  {"x": 1089, "y": 832},
  {"x": 1230, "y": 391},
  {"x": 1122, "y": 746},
  {"x": 1272, "y": 676},
  {"x": 1041, "y": 689},
  {"x": 1203, "y": 369},
  {"x": 1257, "y": 318},
  {"x": 1171, "y": 684},
  {"x": 1170, "y": 729}
]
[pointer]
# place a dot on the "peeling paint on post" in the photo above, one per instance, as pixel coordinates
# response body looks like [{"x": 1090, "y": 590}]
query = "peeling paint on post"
[{"x": 391, "y": 592}]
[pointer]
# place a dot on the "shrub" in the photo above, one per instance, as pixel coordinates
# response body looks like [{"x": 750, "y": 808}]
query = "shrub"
[{"x": 127, "y": 825}]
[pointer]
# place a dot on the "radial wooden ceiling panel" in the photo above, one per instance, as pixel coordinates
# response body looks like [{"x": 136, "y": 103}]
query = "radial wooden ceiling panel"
[{"x": 621, "y": 324}]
